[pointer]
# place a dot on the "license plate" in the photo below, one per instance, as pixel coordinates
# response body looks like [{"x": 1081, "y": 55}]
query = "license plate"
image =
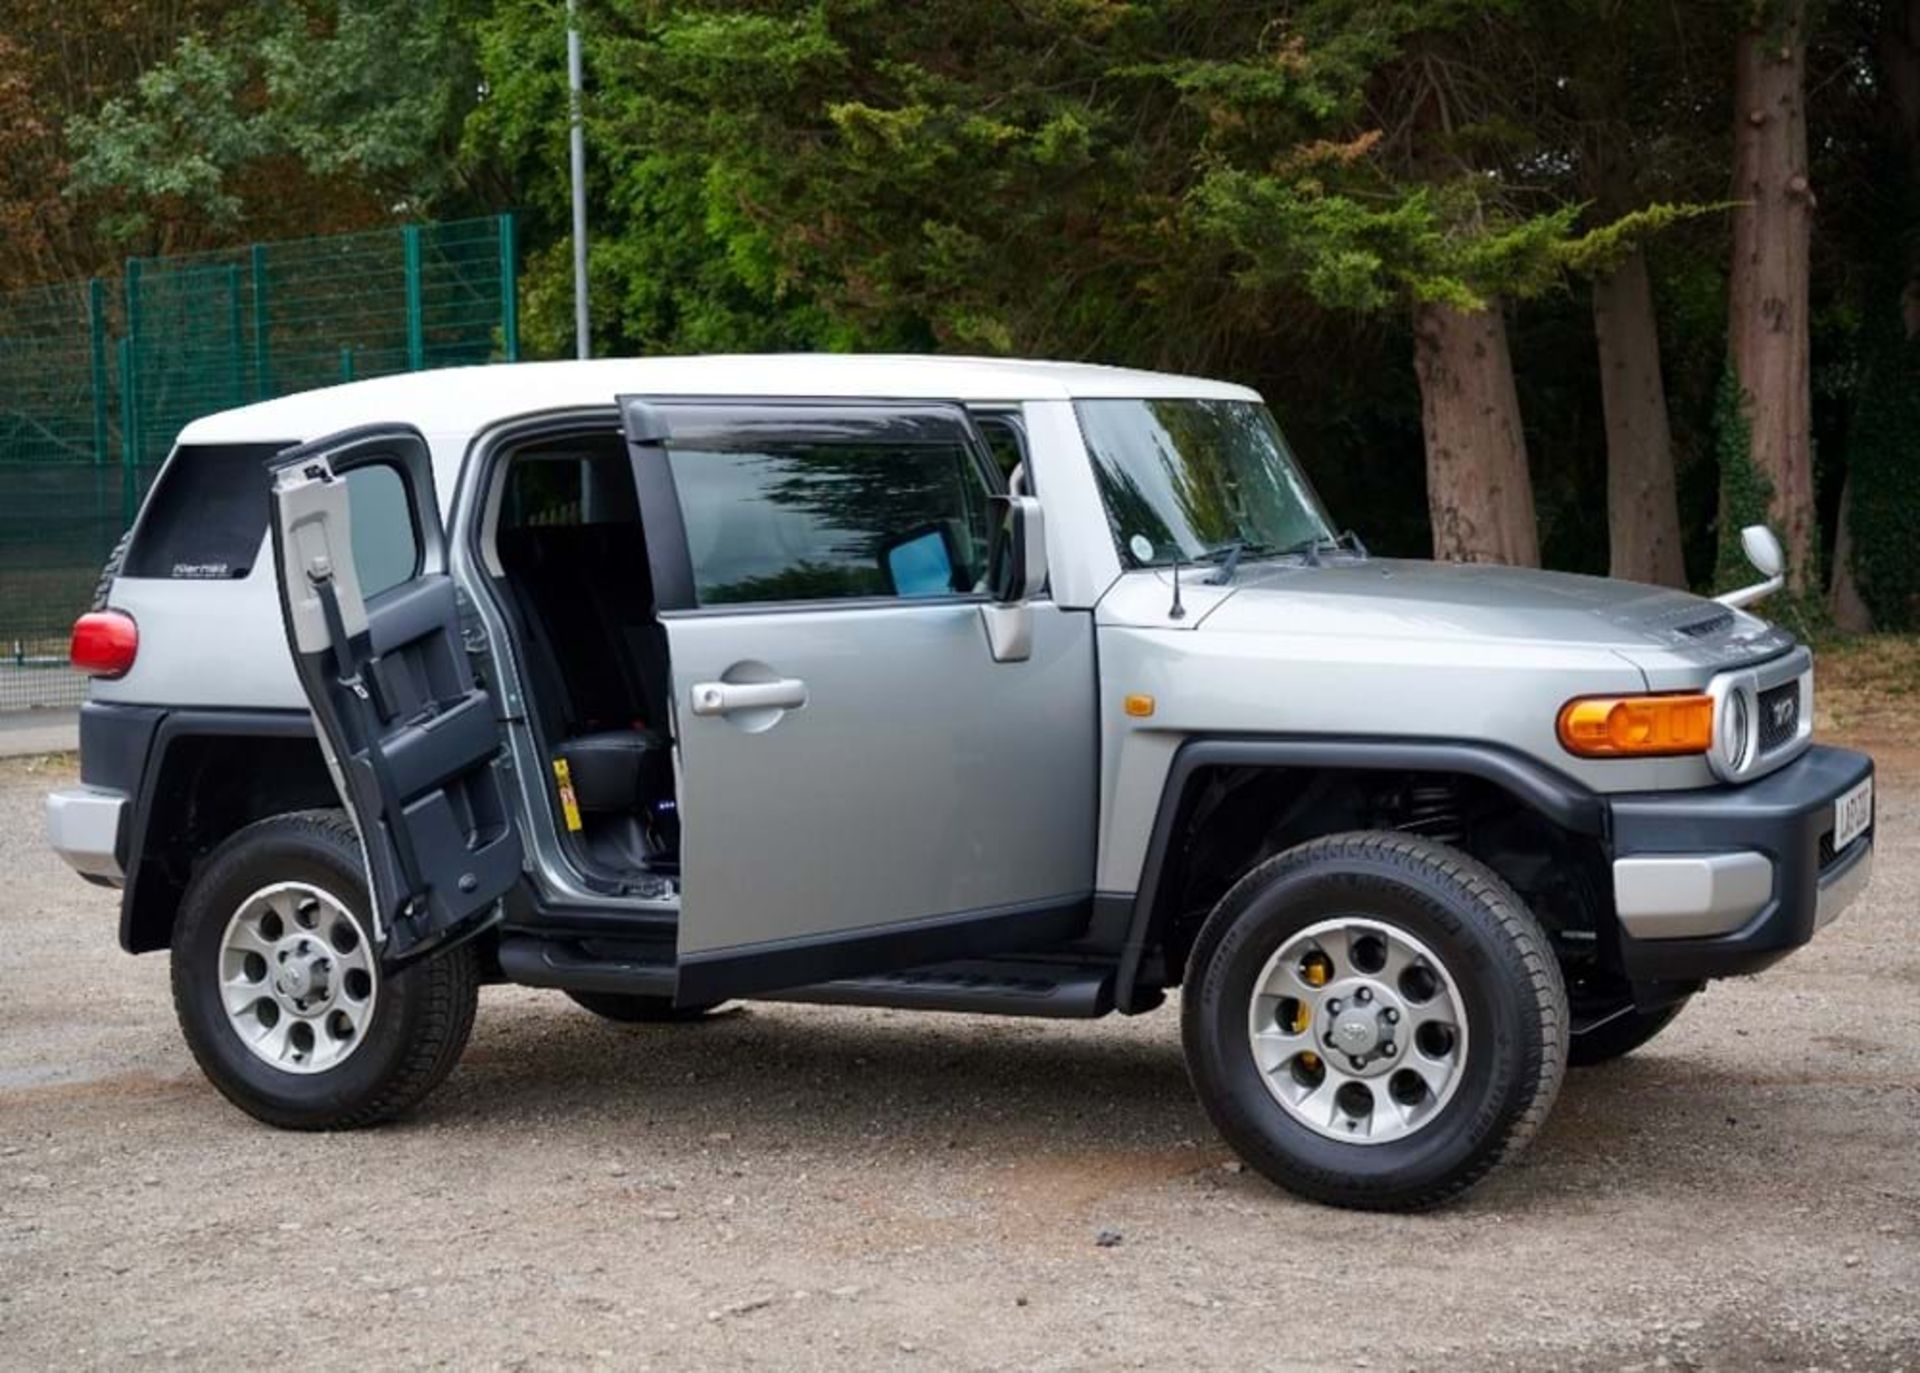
[{"x": 1852, "y": 814}]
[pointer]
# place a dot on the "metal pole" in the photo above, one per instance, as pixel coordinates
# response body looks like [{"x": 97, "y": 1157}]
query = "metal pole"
[
  {"x": 509, "y": 291},
  {"x": 416, "y": 316},
  {"x": 262, "y": 326},
  {"x": 97, "y": 340},
  {"x": 582, "y": 343}
]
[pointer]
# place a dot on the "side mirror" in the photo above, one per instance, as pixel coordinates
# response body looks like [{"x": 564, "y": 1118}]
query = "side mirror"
[
  {"x": 1016, "y": 573},
  {"x": 1017, "y": 555},
  {"x": 1769, "y": 560},
  {"x": 1763, "y": 550}
]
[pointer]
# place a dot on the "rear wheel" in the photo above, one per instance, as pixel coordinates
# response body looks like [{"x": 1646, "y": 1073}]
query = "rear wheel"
[
  {"x": 1374, "y": 1020},
  {"x": 279, "y": 989},
  {"x": 639, "y": 1010}
]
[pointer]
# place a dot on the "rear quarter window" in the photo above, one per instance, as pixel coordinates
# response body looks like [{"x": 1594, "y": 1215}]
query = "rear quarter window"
[{"x": 206, "y": 516}]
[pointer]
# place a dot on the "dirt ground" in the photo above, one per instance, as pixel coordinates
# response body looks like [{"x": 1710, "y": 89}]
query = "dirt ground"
[{"x": 795, "y": 1187}]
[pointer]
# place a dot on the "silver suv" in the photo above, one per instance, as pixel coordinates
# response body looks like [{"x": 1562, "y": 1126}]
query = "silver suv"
[{"x": 948, "y": 684}]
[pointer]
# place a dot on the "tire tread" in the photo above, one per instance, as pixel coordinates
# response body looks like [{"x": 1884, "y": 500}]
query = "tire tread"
[
  {"x": 448, "y": 984},
  {"x": 1415, "y": 856}
]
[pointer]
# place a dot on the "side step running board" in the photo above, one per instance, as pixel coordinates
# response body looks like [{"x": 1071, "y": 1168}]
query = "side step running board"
[
  {"x": 983, "y": 987},
  {"x": 631, "y": 969},
  {"x": 979, "y": 986}
]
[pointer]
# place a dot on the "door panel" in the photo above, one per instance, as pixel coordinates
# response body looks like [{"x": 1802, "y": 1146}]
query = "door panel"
[
  {"x": 411, "y": 739},
  {"x": 919, "y": 779}
]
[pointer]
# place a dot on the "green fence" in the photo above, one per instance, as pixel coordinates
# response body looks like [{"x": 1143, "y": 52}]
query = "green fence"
[{"x": 98, "y": 377}]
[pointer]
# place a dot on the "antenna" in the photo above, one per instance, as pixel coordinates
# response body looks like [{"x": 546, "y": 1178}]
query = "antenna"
[{"x": 1178, "y": 611}]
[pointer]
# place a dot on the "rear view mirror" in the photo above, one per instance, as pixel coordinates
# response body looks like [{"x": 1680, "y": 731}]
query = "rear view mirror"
[{"x": 1017, "y": 557}]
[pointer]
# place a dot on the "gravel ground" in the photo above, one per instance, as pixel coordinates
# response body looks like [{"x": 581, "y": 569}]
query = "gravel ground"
[{"x": 794, "y": 1187}]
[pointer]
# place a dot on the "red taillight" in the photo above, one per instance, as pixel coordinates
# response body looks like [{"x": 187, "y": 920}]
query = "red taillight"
[{"x": 104, "y": 643}]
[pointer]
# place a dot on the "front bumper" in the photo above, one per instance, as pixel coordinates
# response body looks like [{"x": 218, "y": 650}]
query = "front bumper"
[
  {"x": 84, "y": 827},
  {"x": 1727, "y": 880}
]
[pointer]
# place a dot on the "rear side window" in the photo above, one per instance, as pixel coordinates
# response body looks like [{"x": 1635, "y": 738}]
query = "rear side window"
[
  {"x": 832, "y": 519},
  {"x": 206, "y": 517},
  {"x": 386, "y": 551}
]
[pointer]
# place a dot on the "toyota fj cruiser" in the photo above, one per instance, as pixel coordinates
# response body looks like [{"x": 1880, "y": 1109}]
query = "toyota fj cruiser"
[{"x": 948, "y": 684}]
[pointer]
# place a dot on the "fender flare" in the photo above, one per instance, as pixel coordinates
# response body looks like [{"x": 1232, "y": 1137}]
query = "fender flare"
[
  {"x": 1553, "y": 794},
  {"x": 146, "y": 899}
]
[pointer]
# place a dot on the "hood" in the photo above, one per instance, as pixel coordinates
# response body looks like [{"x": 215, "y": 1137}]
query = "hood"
[{"x": 1390, "y": 598}]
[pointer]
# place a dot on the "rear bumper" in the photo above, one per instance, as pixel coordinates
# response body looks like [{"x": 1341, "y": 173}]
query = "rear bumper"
[
  {"x": 84, "y": 826},
  {"x": 1727, "y": 880}
]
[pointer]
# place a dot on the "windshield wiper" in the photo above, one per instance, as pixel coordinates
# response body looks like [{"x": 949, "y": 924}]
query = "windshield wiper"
[
  {"x": 1229, "y": 554},
  {"x": 1229, "y": 564},
  {"x": 1310, "y": 548}
]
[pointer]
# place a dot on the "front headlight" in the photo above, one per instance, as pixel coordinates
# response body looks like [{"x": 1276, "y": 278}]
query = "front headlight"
[
  {"x": 1733, "y": 739},
  {"x": 1662, "y": 726}
]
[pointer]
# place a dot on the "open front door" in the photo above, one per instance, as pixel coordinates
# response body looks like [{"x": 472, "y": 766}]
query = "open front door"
[
  {"x": 863, "y": 785},
  {"x": 372, "y": 622}
]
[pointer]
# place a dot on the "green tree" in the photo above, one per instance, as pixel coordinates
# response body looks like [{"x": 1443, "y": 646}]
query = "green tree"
[{"x": 359, "y": 103}]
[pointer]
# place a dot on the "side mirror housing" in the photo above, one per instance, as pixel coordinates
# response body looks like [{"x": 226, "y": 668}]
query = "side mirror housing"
[
  {"x": 1769, "y": 560},
  {"x": 1016, "y": 573},
  {"x": 1763, "y": 550},
  {"x": 1017, "y": 555}
]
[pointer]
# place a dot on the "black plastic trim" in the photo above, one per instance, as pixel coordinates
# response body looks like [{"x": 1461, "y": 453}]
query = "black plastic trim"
[
  {"x": 1049, "y": 991},
  {"x": 784, "y": 963},
  {"x": 169, "y": 728},
  {"x": 1784, "y": 815},
  {"x": 1558, "y": 797}
]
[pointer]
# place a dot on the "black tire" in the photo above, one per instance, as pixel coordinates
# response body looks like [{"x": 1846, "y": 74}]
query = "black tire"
[
  {"x": 420, "y": 1018},
  {"x": 1503, "y": 967},
  {"x": 640, "y": 1010},
  {"x": 1621, "y": 1034},
  {"x": 104, "y": 587}
]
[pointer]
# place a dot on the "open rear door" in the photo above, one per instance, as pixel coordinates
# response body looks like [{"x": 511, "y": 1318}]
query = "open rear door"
[{"x": 373, "y": 624}]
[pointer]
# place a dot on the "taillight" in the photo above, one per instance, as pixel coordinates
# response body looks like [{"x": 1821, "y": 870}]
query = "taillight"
[{"x": 104, "y": 643}]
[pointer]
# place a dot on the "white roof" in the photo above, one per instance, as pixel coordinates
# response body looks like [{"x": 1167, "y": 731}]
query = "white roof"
[{"x": 466, "y": 399}]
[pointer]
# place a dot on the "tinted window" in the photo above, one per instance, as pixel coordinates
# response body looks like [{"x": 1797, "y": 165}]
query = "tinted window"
[
  {"x": 830, "y": 519},
  {"x": 582, "y": 479},
  {"x": 1006, "y": 440},
  {"x": 385, "y": 550},
  {"x": 206, "y": 515}
]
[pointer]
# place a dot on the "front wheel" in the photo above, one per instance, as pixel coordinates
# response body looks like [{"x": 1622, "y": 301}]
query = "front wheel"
[
  {"x": 279, "y": 989},
  {"x": 1374, "y": 1020}
]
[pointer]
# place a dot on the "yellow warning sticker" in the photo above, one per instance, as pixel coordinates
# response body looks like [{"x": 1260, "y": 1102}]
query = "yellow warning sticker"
[{"x": 569, "y": 805}]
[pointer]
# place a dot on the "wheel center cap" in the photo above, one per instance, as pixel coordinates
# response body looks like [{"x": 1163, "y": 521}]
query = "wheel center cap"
[
  {"x": 1356, "y": 1032},
  {"x": 301, "y": 977}
]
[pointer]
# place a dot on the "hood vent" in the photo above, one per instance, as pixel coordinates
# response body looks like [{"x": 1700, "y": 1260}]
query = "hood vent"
[{"x": 1717, "y": 623}]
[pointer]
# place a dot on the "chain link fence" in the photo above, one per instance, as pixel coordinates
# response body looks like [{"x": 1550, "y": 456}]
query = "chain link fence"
[{"x": 98, "y": 377}]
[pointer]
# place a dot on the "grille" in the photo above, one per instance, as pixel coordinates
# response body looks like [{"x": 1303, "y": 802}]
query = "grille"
[{"x": 1779, "y": 715}]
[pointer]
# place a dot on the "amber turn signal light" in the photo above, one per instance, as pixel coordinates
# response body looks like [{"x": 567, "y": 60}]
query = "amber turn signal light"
[{"x": 1637, "y": 726}]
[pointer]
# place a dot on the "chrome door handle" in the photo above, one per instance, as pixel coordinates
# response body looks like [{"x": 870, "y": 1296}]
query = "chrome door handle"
[{"x": 723, "y": 698}]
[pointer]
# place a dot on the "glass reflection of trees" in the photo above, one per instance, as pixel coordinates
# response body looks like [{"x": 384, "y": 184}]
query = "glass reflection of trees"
[
  {"x": 1199, "y": 476},
  {"x": 811, "y": 521}
]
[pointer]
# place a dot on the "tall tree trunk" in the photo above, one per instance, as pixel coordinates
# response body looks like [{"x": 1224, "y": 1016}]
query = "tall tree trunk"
[
  {"x": 1643, "y": 513},
  {"x": 1898, "y": 70},
  {"x": 1767, "y": 314},
  {"x": 1479, "y": 492}
]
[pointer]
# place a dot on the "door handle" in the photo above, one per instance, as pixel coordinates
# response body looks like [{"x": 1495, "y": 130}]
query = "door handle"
[{"x": 724, "y": 698}]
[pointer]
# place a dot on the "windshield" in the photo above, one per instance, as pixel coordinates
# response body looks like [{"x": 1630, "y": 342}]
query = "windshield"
[{"x": 1198, "y": 478}]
